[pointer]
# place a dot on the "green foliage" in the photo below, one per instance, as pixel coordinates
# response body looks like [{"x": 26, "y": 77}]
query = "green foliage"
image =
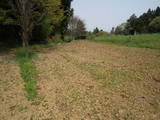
[
  {"x": 144, "y": 40},
  {"x": 95, "y": 31},
  {"x": 22, "y": 108},
  {"x": 21, "y": 55},
  {"x": 132, "y": 24},
  {"x": 41, "y": 33},
  {"x": 141, "y": 24},
  {"x": 54, "y": 12},
  {"x": 66, "y": 6},
  {"x": 7, "y": 14},
  {"x": 47, "y": 17},
  {"x": 121, "y": 29},
  {"x": 8, "y": 31},
  {"x": 93, "y": 35},
  {"x": 56, "y": 39},
  {"x": 155, "y": 25},
  {"x": 67, "y": 38},
  {"x": 28, "y": 73}
]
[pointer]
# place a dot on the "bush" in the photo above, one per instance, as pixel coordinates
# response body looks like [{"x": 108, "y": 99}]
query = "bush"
[
  {"x": 41, "y": 33},
  {"x": 10, "y": 35},
  {"x": 92, "y": 36},
  {"x": 67, "y": 38},
  {"x": 55, "y": 39},
  {"x": 154, "y": 26},
  {"x": 81, "y": 37}
]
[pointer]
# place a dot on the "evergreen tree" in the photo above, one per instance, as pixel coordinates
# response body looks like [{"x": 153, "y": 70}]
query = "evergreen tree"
[
  {"x": 113, "y": 30},
  {"x": 132, "y": 24},
  {"x": 157, "y": 11},
  {"x": 142, "y": 23},
  {"x": 96, "y": 30},
  {"x": 66, "y": 6},
  {"x": 155, "y": 25}
]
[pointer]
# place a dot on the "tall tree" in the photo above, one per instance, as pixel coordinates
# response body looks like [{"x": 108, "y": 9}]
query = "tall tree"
[
  {"x": 155, "y": 25},
  {"x": 96, "y": 30},
  {"x": 121, "y": 29},
  {"x": 132, "y": 24},
  {"x": 66, "y": 6},
  {"x": 81, "y": 29},
  {"x": 77, "y": 28},
  {"x": 24, "y": 12},
  {"x": 33, "y": 12},
  {"x": 157, "y": 11},
  {"x": 113, "y": 30}
]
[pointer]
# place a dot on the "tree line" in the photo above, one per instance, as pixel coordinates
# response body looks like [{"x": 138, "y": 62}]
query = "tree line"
[
  {"x": 41, "y": 18},
  {"x": 148, "y": 22},
  {"x": 34, "y": 21}
]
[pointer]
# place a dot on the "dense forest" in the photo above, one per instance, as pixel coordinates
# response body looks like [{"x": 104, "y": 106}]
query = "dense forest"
[
  {"x": 148, "y": 22},
  {"x": 36, "y": 20}
]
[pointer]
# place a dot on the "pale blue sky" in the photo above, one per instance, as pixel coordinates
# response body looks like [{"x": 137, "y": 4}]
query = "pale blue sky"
[{"x": 105, "y": 14}]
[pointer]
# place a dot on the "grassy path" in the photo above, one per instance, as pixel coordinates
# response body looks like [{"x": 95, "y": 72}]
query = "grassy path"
[
  {"x": 28, "y": 73},
  {"x": 12, "y": 94}
]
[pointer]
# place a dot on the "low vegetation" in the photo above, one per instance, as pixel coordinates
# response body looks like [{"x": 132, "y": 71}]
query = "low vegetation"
[
  {"x": 28, "y": 73},
  {"x": 108, "y": 78},
  {"x": 142, "y": 40}
]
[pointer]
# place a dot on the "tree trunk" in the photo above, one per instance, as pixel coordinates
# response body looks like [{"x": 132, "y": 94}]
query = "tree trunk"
[
  {"x": 24, "y": 11},
  {"x": 25, "y": 43}
]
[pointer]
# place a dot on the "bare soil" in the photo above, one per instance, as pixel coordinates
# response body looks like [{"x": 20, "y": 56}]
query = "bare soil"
[{"x": 84, "y": 80}]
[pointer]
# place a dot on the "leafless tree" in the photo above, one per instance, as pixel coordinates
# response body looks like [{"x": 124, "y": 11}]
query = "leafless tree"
[{"x": 76, "y": 27}]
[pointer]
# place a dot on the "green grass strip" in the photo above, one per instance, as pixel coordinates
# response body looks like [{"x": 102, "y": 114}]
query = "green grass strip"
[
  {"x": 151, "y": 41},
  {"x": 28, "y": 73}
]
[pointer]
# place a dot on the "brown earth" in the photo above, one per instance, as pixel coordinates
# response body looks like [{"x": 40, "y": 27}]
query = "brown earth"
[{"x": 84, "y": 80}]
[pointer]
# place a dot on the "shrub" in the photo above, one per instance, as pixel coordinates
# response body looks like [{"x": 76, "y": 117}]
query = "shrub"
[
  {"x": 41, "y": 33},
  {"x": 155, "y": 25},
  {"x": 55, "y": 39},
  {"x": 67, "y": 38}
]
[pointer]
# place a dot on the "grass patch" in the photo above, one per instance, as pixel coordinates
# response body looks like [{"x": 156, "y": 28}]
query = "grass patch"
[
  {"x": 107, "y": 78},
  {"x": 28, "y": 73},
  {"x": 39, "y": 99},
  {"x": 22, "y": 108},
  {"x": 144, "y": 40},
  {"x": 1, "y": 61}
]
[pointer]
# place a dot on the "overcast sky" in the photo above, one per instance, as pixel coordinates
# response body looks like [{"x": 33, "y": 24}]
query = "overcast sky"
[{"x": 106, "y": 14}]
